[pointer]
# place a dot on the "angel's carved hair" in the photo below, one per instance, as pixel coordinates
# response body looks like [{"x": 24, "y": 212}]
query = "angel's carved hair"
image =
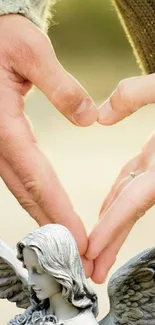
[{"x": 58, "y": 256}]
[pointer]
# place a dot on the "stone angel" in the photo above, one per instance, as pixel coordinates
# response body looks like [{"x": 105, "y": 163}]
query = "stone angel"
[{"x": 47, "y": 279}]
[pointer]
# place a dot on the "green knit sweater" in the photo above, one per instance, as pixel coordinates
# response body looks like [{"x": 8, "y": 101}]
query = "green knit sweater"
[
  {"x": 136, "y": 16},
  {"x": 138, "y": 20}
]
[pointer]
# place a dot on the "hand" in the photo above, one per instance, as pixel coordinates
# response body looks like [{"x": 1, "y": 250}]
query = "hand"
[
  {"x": 130, "y": 95},
  {"x": 128, "y": 200},
  {"x": 27, "y": 58}
]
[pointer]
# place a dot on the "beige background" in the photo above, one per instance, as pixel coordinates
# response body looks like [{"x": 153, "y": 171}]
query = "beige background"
[{"x": 87, "y": 160}]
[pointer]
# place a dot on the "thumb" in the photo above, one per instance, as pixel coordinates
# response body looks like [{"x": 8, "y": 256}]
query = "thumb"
[
  {"x": 40, "y": 65},
  {"x": 130, "y": 95}
]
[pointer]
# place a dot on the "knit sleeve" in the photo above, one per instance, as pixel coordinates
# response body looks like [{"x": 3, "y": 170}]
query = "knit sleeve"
[
  {"x": 38, "y": 11},
  {"x": 138, "y": 20}
]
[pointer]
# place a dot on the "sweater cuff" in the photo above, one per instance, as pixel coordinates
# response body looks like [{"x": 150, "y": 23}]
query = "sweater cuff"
[
  {"x": 38, "y": 11},
  {"x": 138, "y": 19}
]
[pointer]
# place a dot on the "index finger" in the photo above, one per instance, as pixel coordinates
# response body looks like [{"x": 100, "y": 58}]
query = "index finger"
[
  {"x": 35, "y": 60},
  {"x": 20, "y": 150},
  {"x": 136, "y": 198}
]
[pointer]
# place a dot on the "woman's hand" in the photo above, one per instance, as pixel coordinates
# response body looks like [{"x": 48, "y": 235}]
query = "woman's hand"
[
  {"x": 130, "y": 95},
  {"x": 27, "y": 58},
  {"x": 132, "y": 194}
]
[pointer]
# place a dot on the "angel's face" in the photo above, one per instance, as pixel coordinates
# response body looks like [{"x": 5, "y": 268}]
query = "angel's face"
[{"x": 44, "y": 285}]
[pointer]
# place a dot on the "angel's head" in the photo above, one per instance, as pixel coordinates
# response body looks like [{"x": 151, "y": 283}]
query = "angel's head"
[{"x": 51, "y": 257}]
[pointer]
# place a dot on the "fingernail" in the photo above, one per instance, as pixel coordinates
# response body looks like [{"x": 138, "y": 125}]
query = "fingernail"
[
  {"x": 106, "y": 113},
  {"x": 86, "y": 113}
]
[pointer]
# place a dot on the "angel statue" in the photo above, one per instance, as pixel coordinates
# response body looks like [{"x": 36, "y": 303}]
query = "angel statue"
[{"x": 47, "y": 280}]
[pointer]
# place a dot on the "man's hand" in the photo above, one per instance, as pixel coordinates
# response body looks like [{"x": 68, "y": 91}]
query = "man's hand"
[
  {"x": 27, "y": 58},
  {"x": 130, "y": 197}
]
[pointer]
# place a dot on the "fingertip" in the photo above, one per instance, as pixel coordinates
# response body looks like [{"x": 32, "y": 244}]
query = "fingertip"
[
  {"x": 86, "y": 114},
  {"x": 89, "y": 255},
  {"x": 103, "y": 264},
  {"x": 107, "y": 116},
  {"x": 88, "y": 266},
  {"x": 92, "y": 251},
  {"x": 99, "y": 278},
  {"x": 106, "y": 113},
  {"x": 80, "y": 236}
]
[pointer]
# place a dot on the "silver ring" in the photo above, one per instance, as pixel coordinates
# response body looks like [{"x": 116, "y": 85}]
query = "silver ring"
[{"x": 132, "y": 174}]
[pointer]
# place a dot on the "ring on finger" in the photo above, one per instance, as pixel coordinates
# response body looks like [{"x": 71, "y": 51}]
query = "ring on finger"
[{"x": 133, "y": 174}]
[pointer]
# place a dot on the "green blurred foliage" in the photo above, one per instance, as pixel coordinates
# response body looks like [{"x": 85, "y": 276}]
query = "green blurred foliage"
[
  {"x": 84, "y": 27},
  {"x": 91, "y": 44}
]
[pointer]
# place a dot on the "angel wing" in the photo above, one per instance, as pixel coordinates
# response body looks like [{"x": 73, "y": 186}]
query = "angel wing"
[
  {"x": 13, "y": 277},
  {"x": 131, "y": 292}
]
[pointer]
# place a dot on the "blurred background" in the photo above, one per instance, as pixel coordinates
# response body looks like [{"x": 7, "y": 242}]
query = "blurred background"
[{"x": 91, "y": 45}]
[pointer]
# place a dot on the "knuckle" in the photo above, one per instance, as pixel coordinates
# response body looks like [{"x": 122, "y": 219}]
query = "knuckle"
[
  {"x": 138, "y": 213},
  {"x": 33, "y": 188},
  {"x": 27, "y": 203},
  {"x": 125, "y": 97}
]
